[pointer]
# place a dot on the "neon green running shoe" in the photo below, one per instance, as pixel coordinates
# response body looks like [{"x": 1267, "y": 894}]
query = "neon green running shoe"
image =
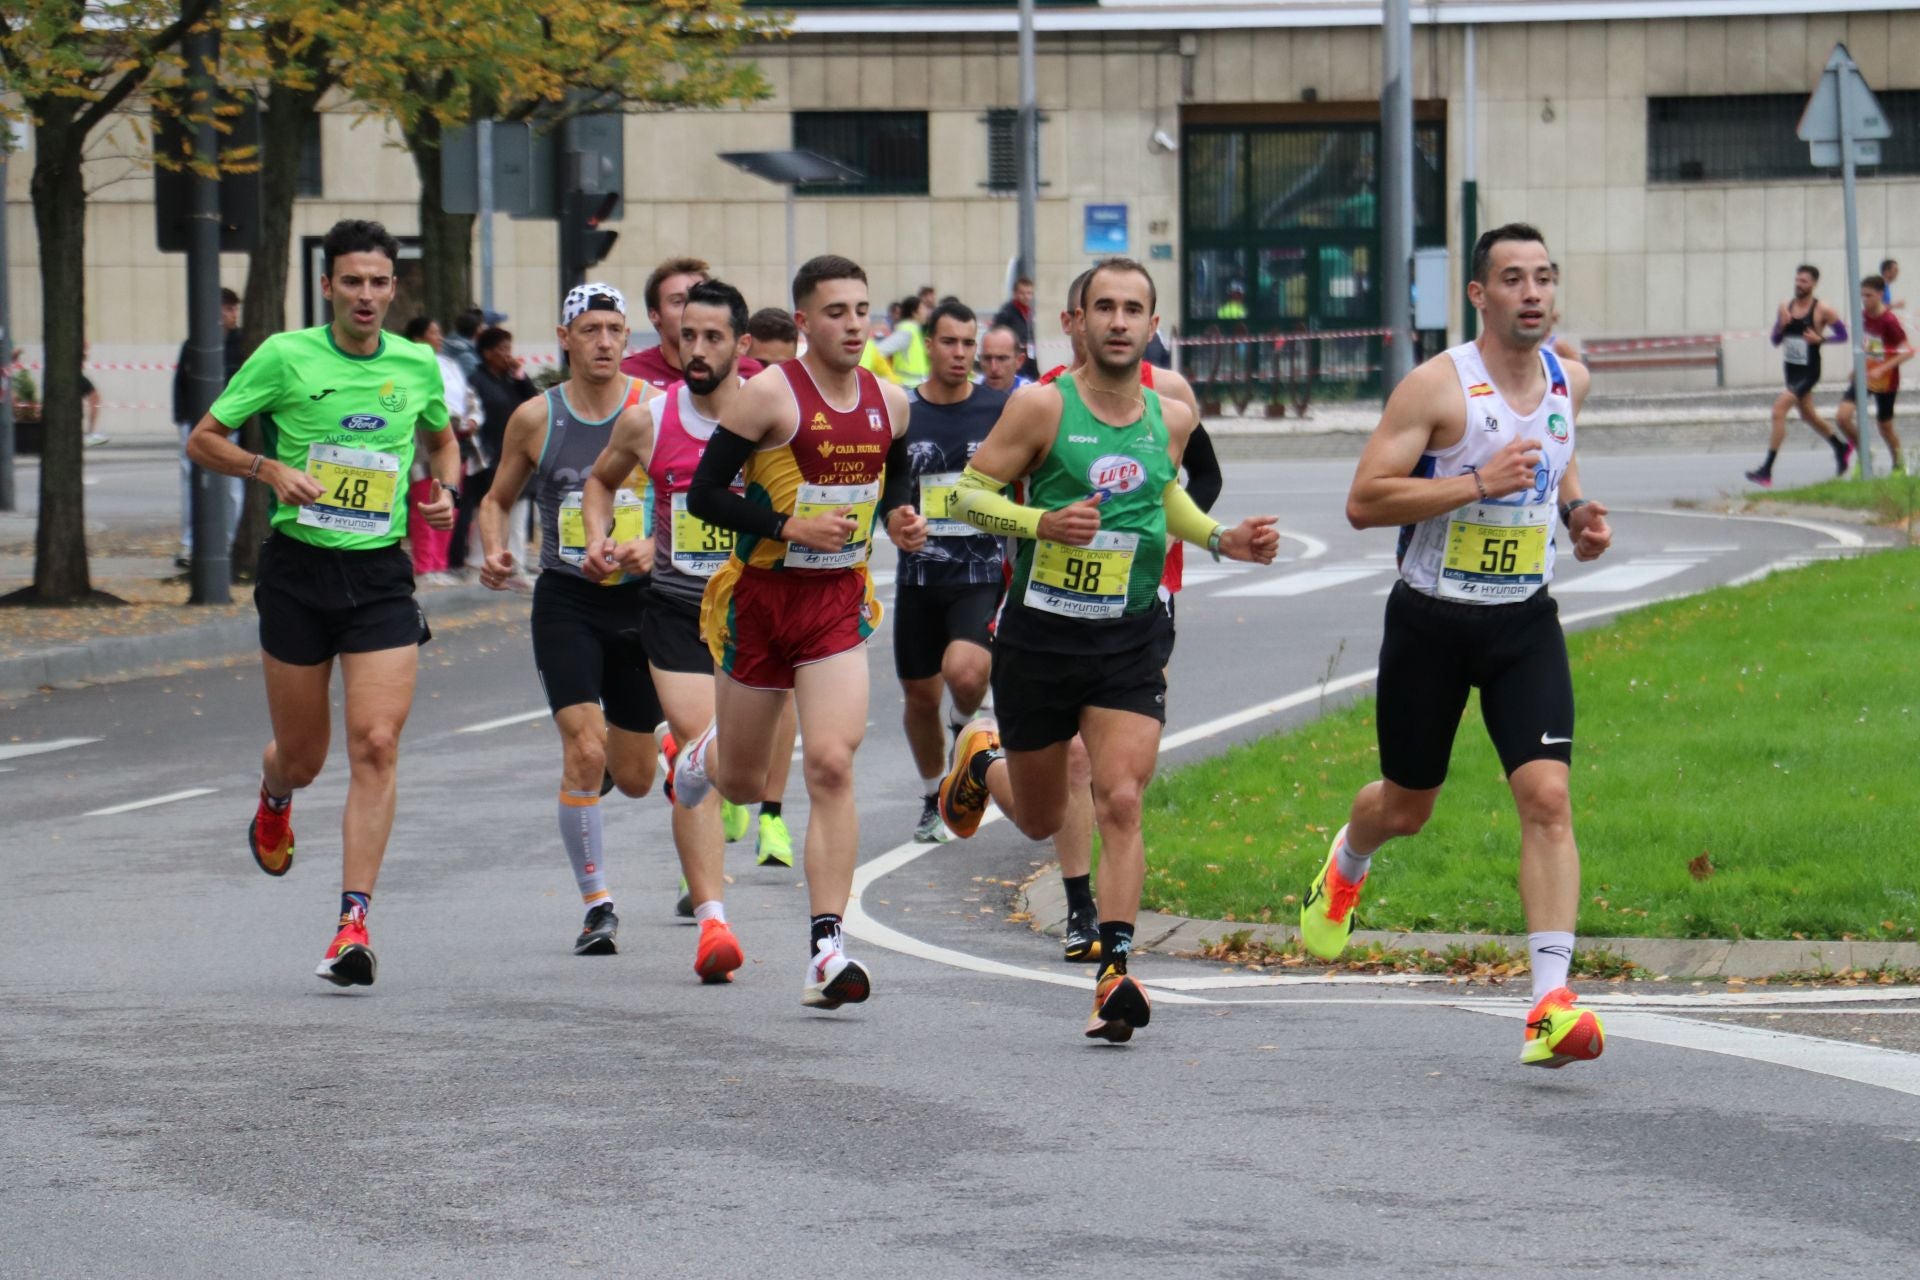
[
  {"x": 1326, "y": 917},
  {"x": 735, "y": 818},
  {"x": 773, "y": 847},
  {"x": 683, "y": 907},
  {"x": 1560, "y": 1031}
]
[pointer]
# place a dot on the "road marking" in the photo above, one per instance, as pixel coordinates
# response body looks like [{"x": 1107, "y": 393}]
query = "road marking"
[
  {"x": 131, "y": 805},
  {"x": 1840, "y": 535},
  {"x": 1704, "y": 549},
  {"x": 1641, "y": 571},
  {"x": 1307, "y": 580},
  {"x": 504, "y": 721},
  {"x": 1314, "y": 547},
  {"x": 14, "y": 750}
]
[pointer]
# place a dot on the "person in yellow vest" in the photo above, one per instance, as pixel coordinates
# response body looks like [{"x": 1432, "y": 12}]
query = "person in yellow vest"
[
  {"x": 876, "y": 364},
  {"x": 903, "y": 347},
  {"x": 1235, "y": 307}
]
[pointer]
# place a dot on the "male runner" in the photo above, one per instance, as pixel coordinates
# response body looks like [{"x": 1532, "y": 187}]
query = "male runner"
[
  {"x": 345, "y": 402},
  {"x": 1079, "y": 647},
  {"x": 1889, "y": 273},
  {"x": 585, "y": 616},
  {"x": 793, "y": 607},
  {"x": 684, "y": 551},
  {"x": 1471, "y": 456},
  {"x": 666, "y": 293},
  {"x": 1000, "y": 360},
  {"x": 1799, "y": 328},
  {"x": 772, "y": 336},
  {"x": 947, "y": 591},
  {"x": 1073, "y": 845},
  {"x": 1887, "y": 350}
]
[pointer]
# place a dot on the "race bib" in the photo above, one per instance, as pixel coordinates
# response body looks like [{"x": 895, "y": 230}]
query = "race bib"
[
  {"x": 825, "y": 499},
  {"x": 357, "y": 488},
  {"x": 699, "y": 548},
  {"x": 936, "y": 504},
  {"x": 1496, "y": 553},
  {"x": 629, "y": 522},
  {"x": 1082, "y": 582},
  {"x": 1794, "y": 349}
]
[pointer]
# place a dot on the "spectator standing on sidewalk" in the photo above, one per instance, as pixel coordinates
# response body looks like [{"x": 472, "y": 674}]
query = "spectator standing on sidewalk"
[
  {"x": 184, "y": 417},
  {"x": 499, "y": 387},
  {"x": 1017, "y": 315},
  {"x": 430, "y": 545}
]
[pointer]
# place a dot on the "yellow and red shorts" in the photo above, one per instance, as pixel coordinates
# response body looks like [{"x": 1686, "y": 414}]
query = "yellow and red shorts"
[{"x": 763, "y": 623}]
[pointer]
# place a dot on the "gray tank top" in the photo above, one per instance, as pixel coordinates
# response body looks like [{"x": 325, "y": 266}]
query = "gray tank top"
[{"x": 573, "y": 444}]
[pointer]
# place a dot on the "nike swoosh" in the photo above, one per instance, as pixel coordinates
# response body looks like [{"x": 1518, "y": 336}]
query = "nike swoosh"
[{"x": 1545, "y": 741}]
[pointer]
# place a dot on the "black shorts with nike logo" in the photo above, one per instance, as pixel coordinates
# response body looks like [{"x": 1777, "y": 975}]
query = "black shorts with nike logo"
[{"x": 1435, "y": 651}]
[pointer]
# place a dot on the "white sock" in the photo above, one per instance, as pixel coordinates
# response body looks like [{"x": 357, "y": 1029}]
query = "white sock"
[
  {"x": 1552, "y": 955},
  {"x": 930, "y": 787},
  {"x": 713, "y": 910},
  {"x": 1351, "y": 866}
]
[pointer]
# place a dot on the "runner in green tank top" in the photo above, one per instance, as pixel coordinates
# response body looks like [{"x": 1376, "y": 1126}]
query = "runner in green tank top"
[{"x": 1077, "y": 649}]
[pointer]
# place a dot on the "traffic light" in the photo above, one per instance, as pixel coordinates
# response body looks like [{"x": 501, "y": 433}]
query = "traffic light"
[
  {"x": 596, "y": 244},
  {"x": 589, "y": 177}
]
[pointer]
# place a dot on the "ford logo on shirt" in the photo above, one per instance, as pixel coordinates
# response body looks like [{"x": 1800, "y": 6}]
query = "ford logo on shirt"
[{"x": 363, "y": 422}]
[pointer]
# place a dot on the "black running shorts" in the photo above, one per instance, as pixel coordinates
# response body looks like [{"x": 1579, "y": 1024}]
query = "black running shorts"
[
  {"x": 1434, "y": 651},
  {"x": 1038, "y": 696},
  {"x": 315, "y": 602},
  {"x": 1803, "y": 378},
  {"x": 927, "y": 619},
  {"x": 1166, "y": 636},
  {"x": 1882, "y": 402},
  {"x": 670, "y": 631},
  {"x": 587, "y": 647}
]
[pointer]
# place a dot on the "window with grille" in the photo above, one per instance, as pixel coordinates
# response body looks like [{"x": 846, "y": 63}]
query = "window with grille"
[
  {"x": 888, "y": 148},
  {"x": 1750, "y": 137},
  {"x": 1003, "y": 154}
]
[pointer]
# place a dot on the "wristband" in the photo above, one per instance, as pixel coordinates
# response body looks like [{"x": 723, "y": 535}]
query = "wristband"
[
  {"x": 1213, "y": 540},
  {"x": 1568, "y": 508},
  {"x": 1479, "y": 484},
  {"x": 453, "y": 489},
  {"x": 253, "y": 472},
  {"x": 780, "y": 526}
]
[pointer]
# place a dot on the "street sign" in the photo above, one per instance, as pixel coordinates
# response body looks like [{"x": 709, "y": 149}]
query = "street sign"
[
  {"x": 1842, "y": 82},
  {"x": 1826, "y": 155},
  {"x": 514, "y": 177}
]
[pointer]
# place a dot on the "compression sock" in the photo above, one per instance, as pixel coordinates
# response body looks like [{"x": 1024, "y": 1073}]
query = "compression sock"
[
  {"x": 1552, "y": 955},
  {"x": 713, "y": 910},
  {"x": 1116, "y": 944},
  {"x": 1352, "y": 866},
  {"x": 582, "y": 832},
  {"x": 353, "y": 908},
  {"x": 769, "y": 808},
  {"x": 1079, "y": 893},
  {"x": 826, "y": 928}
]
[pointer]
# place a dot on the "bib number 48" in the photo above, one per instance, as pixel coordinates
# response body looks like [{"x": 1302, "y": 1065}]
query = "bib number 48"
[{"x": 351, "y": 492}]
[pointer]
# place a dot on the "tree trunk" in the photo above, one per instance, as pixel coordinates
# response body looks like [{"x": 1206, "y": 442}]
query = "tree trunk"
[
  {"x": 446, "y": 239},
  {"x": 264, "y": 306},
  {"x": 60, "y": 216}
]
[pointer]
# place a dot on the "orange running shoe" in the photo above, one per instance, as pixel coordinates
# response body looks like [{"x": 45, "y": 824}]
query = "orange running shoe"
[
  {"x": 270, "y": 836},
  {"x": 719, "y": 954},
  {"x": 963, "y": 801},
  {"x": 349, "y": 961},
  {"x": 1119, "y": 1005},
  {"x": 1560, "y": 1031},
  {"x": 669, "y": 751}
]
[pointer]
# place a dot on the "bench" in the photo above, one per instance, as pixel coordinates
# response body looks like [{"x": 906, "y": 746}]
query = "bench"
[{"x": 1685, "y": 351}]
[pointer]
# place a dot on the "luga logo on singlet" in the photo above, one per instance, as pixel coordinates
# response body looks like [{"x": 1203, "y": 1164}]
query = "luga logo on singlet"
[{"x": 1116, "y": 473}]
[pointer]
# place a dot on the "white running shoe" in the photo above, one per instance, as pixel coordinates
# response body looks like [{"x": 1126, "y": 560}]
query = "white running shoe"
[
  {"x": 834, "y": 978},
  {"x": 690, "y": 781}
]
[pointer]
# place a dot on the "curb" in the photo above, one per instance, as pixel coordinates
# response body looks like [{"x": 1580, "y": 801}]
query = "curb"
[
  {"x": 1046, "y": 901},
  {"x": 115, "y": 658}
]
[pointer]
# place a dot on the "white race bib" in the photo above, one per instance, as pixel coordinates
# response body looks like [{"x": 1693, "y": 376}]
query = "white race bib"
[
  {"x": 1794, "y": 349},
  {"x": 1496, "y": 553},
  {"x": 825, "y": 499},
  {"x": 936, "y": 504},
  {"x": 1082, "y": 582},
  {"x": 699, "y": 548},
  {"x": 357, "y": 489}
]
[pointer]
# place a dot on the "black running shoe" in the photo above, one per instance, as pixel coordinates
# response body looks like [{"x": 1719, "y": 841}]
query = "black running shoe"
[
  {"x": 1083, "y": 936},
  {"x": 598, "y": 933},
  {"x": 1762, "y": 478}
]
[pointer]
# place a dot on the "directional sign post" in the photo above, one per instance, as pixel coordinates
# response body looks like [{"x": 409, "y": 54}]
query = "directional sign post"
[{"x": 1843, "y": 117}]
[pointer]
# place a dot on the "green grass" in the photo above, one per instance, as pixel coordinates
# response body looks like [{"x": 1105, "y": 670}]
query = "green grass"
[
  {"x": 1889, "y": 498},
  {"x": 1747, "y": 765}
]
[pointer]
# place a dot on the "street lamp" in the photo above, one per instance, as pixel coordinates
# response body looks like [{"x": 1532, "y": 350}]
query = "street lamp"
[{"x": 789, "y": 169}]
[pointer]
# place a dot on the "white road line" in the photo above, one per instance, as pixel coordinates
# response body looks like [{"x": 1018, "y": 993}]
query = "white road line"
[
  {"x": 131, "y": 805},
  {"x": 1641, "y": 571},
  {"x": 504, "y": 721},
  {"x": 1814, "y": 1001},
  {"x": 1314, "y": 547},
  {"x": 1701, "y": 550},
  {"x": 1307, "y": 580},
  {"x": 1840, "y": 535},
  {"x": 14, "y": 750}
]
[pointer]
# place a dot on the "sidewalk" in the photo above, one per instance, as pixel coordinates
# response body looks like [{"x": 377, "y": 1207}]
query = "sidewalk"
[{"x": 1046, "y": 901}]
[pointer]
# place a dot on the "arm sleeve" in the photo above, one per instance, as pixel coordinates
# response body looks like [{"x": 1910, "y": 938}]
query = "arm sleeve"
[
  {"x": 1185, "y": 520},
  {"x": 1204, "y": 480},
  {"x": 1778, "y": 332},
  {"x": 711, "y": 496},
  {"x": 1839, "y": 330},
  {"x": 980, "y": 501},
  {"x": 898, "y": 489},
  {"x": 257, "y": 386}
]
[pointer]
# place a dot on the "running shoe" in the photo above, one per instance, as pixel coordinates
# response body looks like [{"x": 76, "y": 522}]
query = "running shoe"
[
  {"x": 1762, "y": 478},
  {"x": 1842, "y": 458},
  {"x": 270, "y": 836},
  {"x": 1083, "y": 936},
  {"x": 834, "y": 978},
  {"x": 690, "y": 781},
  {"x": 349, "y": 961},
  {"x": 773, "y": 844},
  {"x": 1560, "y": 1031},
  {"x": 598, "y": 933},
  {"x": 734, "y": 819},
  {"x": 684, "y": 907},
  {"x": 1119, "y": 1006},
  {"x": 719, "y": 952},
  {"x": 930, "y": 830},
  {"x": 1326, "y": 917},
  {"x": 669, "y": 752},
  {"x": 963, "y": 800}
]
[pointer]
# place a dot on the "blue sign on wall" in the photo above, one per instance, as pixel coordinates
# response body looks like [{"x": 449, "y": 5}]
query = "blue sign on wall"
[{"x": 1106, "y": 229}]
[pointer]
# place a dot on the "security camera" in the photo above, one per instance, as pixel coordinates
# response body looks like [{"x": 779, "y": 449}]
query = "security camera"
[{"x": 1164, "y": 140}]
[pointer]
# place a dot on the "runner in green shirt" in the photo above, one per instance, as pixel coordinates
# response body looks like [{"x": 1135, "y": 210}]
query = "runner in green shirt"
[{"x": 341, "y": 405}]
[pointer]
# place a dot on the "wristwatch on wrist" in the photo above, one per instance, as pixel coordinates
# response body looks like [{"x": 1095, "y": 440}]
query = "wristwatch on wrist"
[
  {"x": 780, "y": 528},
  {"x": 1568, "y": 508},
  {"x": 453, "y": 489}
]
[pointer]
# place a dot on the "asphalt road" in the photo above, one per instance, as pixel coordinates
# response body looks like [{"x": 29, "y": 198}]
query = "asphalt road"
[{"x": 179, "y": 1096}]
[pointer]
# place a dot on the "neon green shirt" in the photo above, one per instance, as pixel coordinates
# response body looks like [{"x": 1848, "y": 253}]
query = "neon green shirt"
[{"x": 346, "y": 420}]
